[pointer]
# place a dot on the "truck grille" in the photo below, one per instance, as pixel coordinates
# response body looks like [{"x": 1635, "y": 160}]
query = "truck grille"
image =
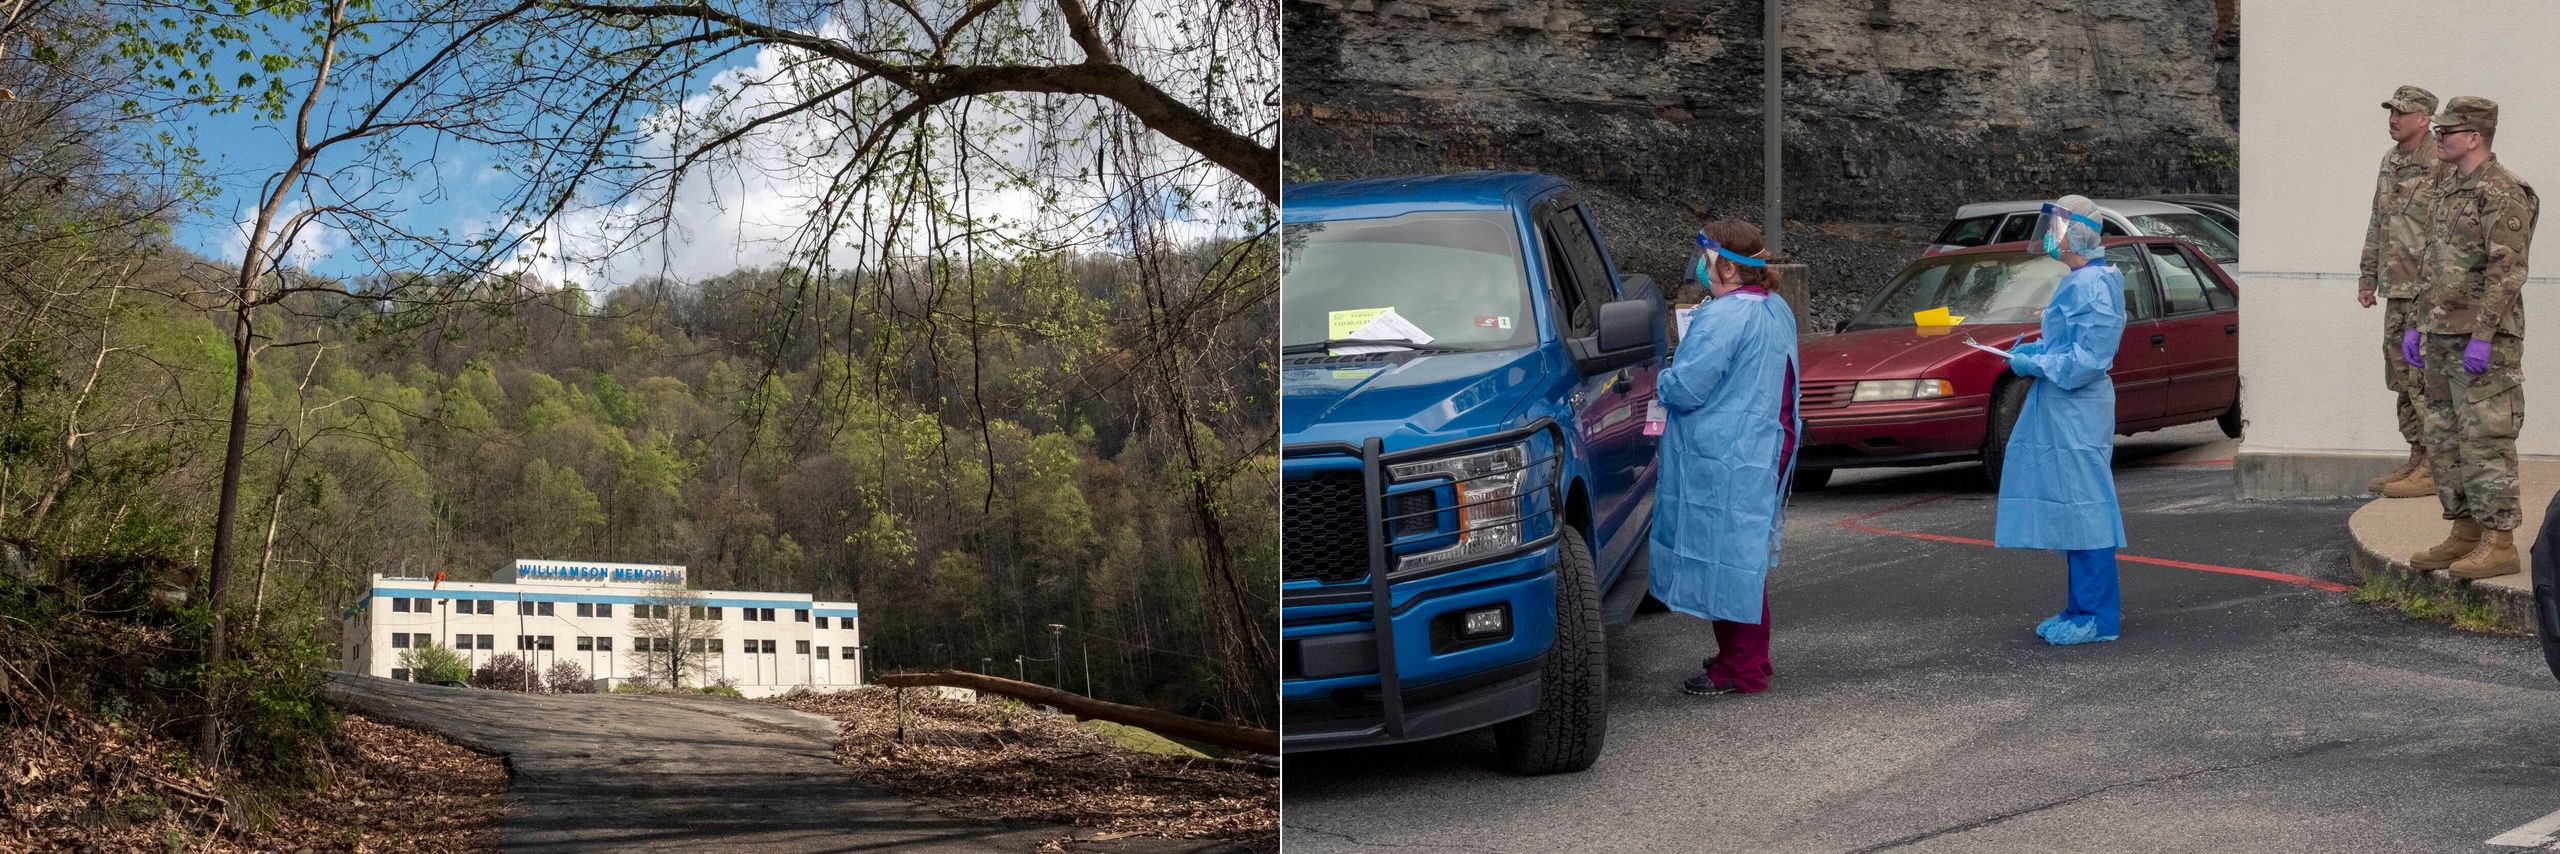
[
  {"x": 1324, "y": 524},
  {"x": 1825, "y": 395}
]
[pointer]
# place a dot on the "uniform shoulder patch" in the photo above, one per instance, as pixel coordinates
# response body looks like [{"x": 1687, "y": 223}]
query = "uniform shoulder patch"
[{"x": 2515, "y": 223}]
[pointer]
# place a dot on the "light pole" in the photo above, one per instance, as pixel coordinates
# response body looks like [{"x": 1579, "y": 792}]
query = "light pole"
[
  {"x": 987, "y": 664},
  {"x": 1056, "y": 656},
  {"x": 1018, "y": 675},
  {"x": 1772, "y": 185}
]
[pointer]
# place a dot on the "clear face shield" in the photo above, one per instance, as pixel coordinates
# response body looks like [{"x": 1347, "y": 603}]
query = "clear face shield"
[
  {"x": 2061, "y": 230},
  {"x": 1708, "y": 248}
]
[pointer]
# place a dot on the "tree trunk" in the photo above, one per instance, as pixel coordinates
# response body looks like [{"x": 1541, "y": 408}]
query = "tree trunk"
[
  {"x": 1229, "y": 736},
  {"x": 226, "y": 508}
]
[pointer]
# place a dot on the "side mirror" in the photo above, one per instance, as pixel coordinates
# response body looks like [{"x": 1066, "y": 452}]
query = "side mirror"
[{"x": 1632, "y": 331}]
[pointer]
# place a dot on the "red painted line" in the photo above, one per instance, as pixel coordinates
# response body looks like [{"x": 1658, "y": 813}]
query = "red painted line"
[{"x": 1859, "y": 524}]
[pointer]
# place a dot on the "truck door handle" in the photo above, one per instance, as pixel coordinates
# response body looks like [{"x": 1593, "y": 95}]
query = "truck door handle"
[
  {"x": 2231, "y": 329},
  {"x": 2159, "y": 340}
]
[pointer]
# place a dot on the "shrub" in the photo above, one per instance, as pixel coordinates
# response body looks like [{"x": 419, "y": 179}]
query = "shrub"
[
  {"x": 505, "y": 672},
  {"x": 566, "y": 677},
  {"x": 435, "y": 663}
]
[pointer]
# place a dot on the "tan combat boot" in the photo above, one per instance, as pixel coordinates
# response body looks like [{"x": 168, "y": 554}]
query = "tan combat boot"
[
  {"x": 2495, "y": 556},
  {"x": 2419, "y": 481},
  {"x": 2465, "y": 537},
  {"x": 2416, "y": 453}
]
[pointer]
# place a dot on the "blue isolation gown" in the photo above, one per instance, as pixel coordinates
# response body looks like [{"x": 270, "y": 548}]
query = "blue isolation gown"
[
  {"x": 2057, "y": 487},
  {"x": 1727, "y": 448}
]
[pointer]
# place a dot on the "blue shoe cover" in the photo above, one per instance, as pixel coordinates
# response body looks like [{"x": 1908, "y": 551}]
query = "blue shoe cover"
[
  {"x": 2046, "y": 627},
  {"x": 2074, "y": 631}
]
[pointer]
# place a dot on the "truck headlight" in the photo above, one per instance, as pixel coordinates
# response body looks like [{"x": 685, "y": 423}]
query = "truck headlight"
[
  {"x": 1873, "y": 390},
  {"x": 1502, "y": 502}
]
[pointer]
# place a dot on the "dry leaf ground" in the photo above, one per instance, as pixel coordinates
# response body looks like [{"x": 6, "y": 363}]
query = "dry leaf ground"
[
  {"x": 74, "y": 783},
  {"x": 998, "y": 760}
]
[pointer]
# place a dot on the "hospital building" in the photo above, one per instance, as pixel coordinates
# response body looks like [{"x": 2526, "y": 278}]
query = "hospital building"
[{"x": 548, "y": 611}]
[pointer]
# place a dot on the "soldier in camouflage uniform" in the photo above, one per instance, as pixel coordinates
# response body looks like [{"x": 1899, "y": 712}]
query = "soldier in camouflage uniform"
[
  {"x": 2395, "y": 268},
  {"x": 2473, "y": 343}
]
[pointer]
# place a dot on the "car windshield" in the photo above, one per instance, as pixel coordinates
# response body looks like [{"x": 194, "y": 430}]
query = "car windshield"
[
  {"x": 1456, "y": 275},
  {"x": 2003, "y": 287},
  {"x": 2207, "y": 236}
]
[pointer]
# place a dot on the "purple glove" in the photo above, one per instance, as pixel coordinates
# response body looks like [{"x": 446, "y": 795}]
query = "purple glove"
[
  {"x": 2475, "y": 358},
  {"x": 2409, "y": 349}
]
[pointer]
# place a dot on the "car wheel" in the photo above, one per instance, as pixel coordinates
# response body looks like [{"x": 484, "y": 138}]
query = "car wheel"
[
  {"x": 1572, "y": 719},
  {"x": 2006, "y": 403},
  {"x": 1808, "y": 480},
  {"x": 2231, "y": 422}
]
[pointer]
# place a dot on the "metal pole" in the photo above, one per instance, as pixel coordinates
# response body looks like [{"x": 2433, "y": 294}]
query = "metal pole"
[
  {"x": 1060, "y": 667},
  {"x": 987, "y": 664},
  {"x": 1018, "y": 675},
  {"x": 1088, "y": 667},
  {"x": 524, "y": 644},
  {"x": 1772, "y": 121}
]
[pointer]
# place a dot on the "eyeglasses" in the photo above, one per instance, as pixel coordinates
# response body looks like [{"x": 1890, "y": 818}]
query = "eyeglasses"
[{"x": 2445, "y": 132}]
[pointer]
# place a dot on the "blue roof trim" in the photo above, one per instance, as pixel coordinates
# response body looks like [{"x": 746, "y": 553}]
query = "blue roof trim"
[
  {"x": 840, "y": 612},
  {"x": 599, "y": 598}
]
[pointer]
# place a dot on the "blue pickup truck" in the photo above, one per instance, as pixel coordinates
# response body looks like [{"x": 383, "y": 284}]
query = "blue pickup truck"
[{"x": 1467, "y": 472}]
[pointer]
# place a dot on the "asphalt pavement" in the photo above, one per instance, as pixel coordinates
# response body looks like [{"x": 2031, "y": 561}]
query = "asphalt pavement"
[
  {"x": 2251, "y": 704},
  {"x": 687, "y": 772}
]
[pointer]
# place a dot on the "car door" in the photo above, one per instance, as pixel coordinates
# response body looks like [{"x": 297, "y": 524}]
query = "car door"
[
  {"x": 2201, "y": 320},
  {"x": 1611, "y": 407},
  {"x": 2141, "y": 371}
]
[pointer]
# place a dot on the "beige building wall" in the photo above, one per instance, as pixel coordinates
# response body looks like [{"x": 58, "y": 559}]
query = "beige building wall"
[{"x": 2313, "y": 77}]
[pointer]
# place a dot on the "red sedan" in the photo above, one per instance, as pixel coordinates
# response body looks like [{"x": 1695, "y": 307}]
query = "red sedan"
[{"x": 1886, "y": 391}]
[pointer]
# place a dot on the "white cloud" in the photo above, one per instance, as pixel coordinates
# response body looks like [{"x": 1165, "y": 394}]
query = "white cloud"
[
  {"x": 312, "y": 244},
  {"x": 757, "y": 207}
]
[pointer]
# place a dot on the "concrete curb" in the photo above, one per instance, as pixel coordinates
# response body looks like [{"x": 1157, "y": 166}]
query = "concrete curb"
[{"x": 2384, "y": 533}]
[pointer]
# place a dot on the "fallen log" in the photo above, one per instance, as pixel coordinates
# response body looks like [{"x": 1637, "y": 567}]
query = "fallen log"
[{"x": 1164, "y": 723}]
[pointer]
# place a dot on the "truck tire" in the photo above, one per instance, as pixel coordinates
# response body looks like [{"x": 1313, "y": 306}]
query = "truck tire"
[
  {"x": 1808, "y": 480},
  {"x": 2005, "y": 406},
  {"x": 1572, "y": 719}
]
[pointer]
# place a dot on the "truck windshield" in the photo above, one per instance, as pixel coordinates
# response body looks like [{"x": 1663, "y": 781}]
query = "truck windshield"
[
  {"x": 1455, "y": 275},
  {"x": 2006, "y": 287}
]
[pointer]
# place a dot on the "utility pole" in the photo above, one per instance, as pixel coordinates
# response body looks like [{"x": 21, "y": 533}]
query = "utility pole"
[
  {"x": 1772, "y": 121},
  {"x": 1055, "y": 655}
]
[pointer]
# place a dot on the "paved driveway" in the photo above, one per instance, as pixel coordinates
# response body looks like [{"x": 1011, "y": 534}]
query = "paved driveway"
[{"x": 620, "y": 772}]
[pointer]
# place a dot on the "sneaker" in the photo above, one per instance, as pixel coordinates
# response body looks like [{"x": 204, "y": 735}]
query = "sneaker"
[{"x": 1703, "y": 685}]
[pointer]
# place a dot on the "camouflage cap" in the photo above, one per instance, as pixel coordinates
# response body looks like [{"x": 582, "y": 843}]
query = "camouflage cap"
[
  {"x": 2411, "y": 99},
  {"x": 2469, "y": 111}
]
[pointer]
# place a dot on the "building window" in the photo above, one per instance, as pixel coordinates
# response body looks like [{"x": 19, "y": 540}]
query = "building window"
[
  {"x": 542, "y": 608},
  {"x": 399, "y": 640},
  {"x": 400, "y": 673},
  {"x": 586, "y": 644},
  {"x": 604, "y": 609},
  {"x": 524, "y": 642},
  {"x": 604, "y": 644},
  {"x": 586, "y": 609},
  {"x": 848, "y": 653},
  {"x": 822, "y": 622},
  {"x": 483, "y": 606},
  {"x": 800, "y": 615},
  {"x": 715, "y": 612},
  {"x": 524, "y": 608},
  {"x": 700, "y": 645},
  {"x": 423, "y": 605},
  {"x": 400, "y": 604},
  {"x": 542, "y": 643},
  {"x": 488, "y": 641},
  {"x": 800, "y": 647},
  {"x": 461, "y": 641},
  {"x": 768, "y": 645},
  {"x": 822, "y": 652}
]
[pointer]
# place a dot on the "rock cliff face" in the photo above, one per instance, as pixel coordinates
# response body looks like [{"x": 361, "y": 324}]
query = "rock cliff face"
[{"x": 1897, "y": 110}]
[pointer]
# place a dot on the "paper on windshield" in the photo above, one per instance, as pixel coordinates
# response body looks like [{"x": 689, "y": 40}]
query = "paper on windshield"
[
  {"x": 1386, "y": 325},
  {"x": 1986, "y": 348},
  {"x": 1340, "y": 324}
]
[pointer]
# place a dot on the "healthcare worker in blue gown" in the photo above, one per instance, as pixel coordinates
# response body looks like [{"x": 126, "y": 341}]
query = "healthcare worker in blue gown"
[
  {"x": 1728, "y": 447},
  {"x": 2057, "y": 487}
]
